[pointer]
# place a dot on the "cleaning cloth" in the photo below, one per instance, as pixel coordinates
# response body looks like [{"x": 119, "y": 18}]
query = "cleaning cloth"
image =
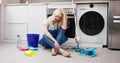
[{"x": 30, "y": 53}]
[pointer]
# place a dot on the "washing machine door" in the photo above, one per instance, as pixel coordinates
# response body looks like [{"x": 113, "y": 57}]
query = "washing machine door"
[{"x": 91, "y": 23}]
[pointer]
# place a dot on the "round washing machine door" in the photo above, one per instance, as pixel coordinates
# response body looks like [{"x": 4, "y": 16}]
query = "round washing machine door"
[{"x": 91, "y": 23}]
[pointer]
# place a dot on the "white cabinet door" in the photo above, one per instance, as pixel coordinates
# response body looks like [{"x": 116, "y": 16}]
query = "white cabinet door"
[
  {"x": 36, "y": 18},
  {"x": 16, "y": 19},
  {"x": 21, "y": 20}
]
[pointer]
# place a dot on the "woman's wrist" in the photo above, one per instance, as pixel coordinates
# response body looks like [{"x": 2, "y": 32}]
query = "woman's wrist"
[{"x": 55, "y": 41}]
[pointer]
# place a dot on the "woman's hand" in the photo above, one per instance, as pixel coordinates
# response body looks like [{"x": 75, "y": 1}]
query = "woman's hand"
[
  {"x": 64, "y": 24},
  {"x": 62, "y": 11},
  {"x": 57, "y": 46}
]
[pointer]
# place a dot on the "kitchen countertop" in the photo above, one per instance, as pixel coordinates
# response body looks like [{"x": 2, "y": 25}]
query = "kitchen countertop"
[
  {"x": 80, "y": 2},
  {"x": 60, "y": 3}
]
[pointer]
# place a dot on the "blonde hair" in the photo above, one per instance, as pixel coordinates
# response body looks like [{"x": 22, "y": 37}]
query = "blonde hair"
[{"x": 57, "y": 12}]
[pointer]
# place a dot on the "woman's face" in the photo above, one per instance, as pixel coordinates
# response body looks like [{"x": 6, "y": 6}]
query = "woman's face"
[
  {"x": 58, "y": 18},
  {"x": 58, "y": 15}
]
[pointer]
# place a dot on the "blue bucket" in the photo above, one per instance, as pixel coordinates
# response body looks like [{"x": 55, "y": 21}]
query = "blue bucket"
[{"x": 33, "y": 39}]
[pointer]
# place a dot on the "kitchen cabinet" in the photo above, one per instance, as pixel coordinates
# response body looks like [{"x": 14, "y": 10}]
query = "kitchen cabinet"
[
  {"x": 24, "y": 19},
  {"x": 36, "y": 18},
  {"x": 16, "y": 22},
  {"x": 114, "y": 24},
  {"x": 114, "y": 8}
]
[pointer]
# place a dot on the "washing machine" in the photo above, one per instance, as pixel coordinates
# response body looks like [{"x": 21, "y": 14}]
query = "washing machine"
[{"x": 91, "y": 24}]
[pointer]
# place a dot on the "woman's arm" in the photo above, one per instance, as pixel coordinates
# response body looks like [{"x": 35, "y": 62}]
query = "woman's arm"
[
  {"x": 57, "y": 46},
  {"x": 48, "y": 34},
  {"x": 64, "y": 25}
]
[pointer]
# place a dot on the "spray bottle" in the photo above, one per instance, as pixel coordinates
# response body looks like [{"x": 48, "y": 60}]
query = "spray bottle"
[{"x": 19, "y": 41}]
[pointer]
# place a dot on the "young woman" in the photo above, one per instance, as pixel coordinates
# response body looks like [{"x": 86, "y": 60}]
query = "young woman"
[{"x": 54, "y": 29}]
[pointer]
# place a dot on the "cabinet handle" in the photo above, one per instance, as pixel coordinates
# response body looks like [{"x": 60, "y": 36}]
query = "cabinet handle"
[
  {"x": 116, "y": 21},
  {"x": 117, "y": 17}
]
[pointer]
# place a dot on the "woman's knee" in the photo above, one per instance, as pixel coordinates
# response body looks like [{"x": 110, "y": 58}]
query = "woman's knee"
[
  {"x": 45, "y": 36},
  {"x": 62, "y": 30}
]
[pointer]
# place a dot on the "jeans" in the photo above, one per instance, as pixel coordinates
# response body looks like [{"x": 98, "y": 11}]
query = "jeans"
[{"x": 58, "y": 35}]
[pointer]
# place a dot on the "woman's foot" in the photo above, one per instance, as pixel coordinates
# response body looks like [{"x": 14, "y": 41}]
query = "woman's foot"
[
  {"x": 53, "y": 53},
  {"x": 64, "y": 53}
]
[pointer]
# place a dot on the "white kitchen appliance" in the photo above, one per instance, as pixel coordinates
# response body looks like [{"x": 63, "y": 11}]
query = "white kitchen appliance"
[{"x": 91, "y": 24}]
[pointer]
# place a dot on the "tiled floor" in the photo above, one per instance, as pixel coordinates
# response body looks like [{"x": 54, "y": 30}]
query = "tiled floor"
[{"x": 10, "y": 54}]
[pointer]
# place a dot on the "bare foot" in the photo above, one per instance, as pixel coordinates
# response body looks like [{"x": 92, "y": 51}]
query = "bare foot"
[
  {"x": 53, "y": 53},
  {"x": 64, "y": 53}
]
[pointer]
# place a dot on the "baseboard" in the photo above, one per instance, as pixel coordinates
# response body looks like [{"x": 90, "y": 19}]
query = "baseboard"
[
  {"x": 90, "y": 45},
  {"x": 14, "y": 41}
]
